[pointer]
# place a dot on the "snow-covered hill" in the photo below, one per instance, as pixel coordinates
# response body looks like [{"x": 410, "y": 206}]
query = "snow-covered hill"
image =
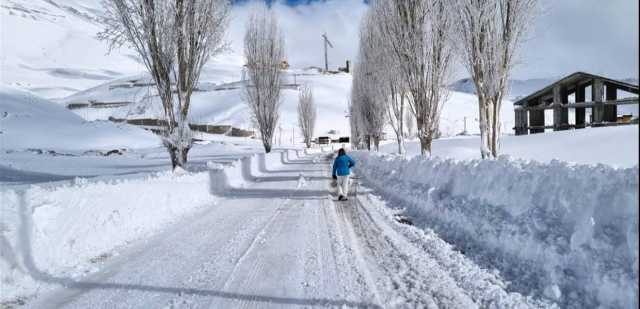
[
  {"x": 50, "y": 47},
  {"x": 30, "y": 122}
]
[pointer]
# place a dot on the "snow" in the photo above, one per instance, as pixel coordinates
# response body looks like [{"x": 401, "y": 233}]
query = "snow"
[
  {"x": 50, "y": 47},
  {"x": 462, "y": 105},
  {"x": 614, "y": 146},
  {"x": 564, "y": 231},
  {"x": 90, "y": 219},
  {"x": 552, "y": 222},
  {"x": 225, "y": 107},
  {"x": 71, "y": 225},
  {"x": 264, "y": 241},
  {"x": 30, "y": 122}
]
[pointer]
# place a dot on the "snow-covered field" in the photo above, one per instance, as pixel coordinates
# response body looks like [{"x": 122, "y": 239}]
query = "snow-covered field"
[{"x": 614, "y": 146}]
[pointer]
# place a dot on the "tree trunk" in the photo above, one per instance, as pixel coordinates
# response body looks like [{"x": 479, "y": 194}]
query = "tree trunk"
[
  {"x": 173, "y": 154},
  {"x": 425, "y": 145},
  {"x": 267, "y": 147},
  {"x": 185, "y": 152},
  {"x": 178, "y": 156},
  {"x": 400, "y": 137},
  {"x": 484, "y": 128},
  {"x": 496, "y": 128}
]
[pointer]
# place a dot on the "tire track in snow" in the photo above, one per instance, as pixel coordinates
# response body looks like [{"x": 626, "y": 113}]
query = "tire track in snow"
[
  {"x": 255, "y": 240},
  {"x": 350, "y": 242},
  {"x": 403, "y": 282}
]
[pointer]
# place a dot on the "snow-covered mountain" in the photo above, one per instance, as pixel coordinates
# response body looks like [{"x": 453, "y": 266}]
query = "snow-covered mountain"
[{"x": 517, "y": 87}]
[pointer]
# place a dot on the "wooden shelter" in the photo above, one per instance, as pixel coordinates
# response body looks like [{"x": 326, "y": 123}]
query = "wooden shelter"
[{"x": 602, "y": 102}]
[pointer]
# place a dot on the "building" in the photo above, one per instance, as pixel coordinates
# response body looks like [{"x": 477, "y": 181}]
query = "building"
[{"x": 580, "y": 94}]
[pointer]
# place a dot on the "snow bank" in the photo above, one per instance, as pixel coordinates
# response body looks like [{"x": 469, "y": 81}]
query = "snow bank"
[
  {"x": 65, "y": 231},
  {"x": 567, "y": 232},
  {"x": 242, "y": 171}
]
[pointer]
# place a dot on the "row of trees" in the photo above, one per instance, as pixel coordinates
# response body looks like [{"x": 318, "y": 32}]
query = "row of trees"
[
  {"x": 175, "y": 38},
  {"x": 405, "y": 60}
]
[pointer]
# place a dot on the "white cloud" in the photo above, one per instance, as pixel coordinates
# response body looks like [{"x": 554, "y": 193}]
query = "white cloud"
[
  {"x": 303, "y": 26},
  {"x": 596, "y": 36}
]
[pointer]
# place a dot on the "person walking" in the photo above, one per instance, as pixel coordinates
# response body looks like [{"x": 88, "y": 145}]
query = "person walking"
[{"x": 341, "y": 170}]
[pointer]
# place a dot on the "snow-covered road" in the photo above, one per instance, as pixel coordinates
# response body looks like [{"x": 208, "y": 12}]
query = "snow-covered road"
[{"x": 280, "y": 242}]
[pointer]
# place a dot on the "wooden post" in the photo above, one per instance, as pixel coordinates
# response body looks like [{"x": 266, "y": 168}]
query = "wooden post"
[
  {"x": 560, "y": 111},
  {"x": 536, "y": 118},
  {"x": 580, "y": 111},
  {"x": 564, "y": 110},
  {"x": 516, "y": 111},
  {"x": 611, "y": 111},
  {"x": 597, "y": 93},
  {"x": 521, "y": 120}
]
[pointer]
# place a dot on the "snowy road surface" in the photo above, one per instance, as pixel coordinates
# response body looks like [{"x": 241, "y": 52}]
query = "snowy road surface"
[{"x": 280, "y": 242}]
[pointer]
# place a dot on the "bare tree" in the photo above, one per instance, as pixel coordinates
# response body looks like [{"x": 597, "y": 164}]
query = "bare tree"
[
  {"x": 355, "y": 124},
  {"x": 417, "y": 32},
  {"x": 396, "y": 102},
  {"x": 488, "y": 34},
  {"x": 306, "y": 114},
  {"x": 369, "y": 92},
  {"x": 174, "y": 39},
  {"x": 264, "y": 51}
]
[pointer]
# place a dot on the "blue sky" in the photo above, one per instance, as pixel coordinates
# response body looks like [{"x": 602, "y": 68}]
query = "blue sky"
[{"x": 288, "y": 2}]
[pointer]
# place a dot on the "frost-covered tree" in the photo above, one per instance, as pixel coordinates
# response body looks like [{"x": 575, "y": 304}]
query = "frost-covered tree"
[
  {"x": 417, "y": 32},
  {"x": 174, "y": 39},
  {"x": 306, "y": 114},
  {"x": 369, "y": 91},
  {"x": 488, "y": 34},
  {"x": 396, "y": 103},
  {"x": 264, "y": 51}
]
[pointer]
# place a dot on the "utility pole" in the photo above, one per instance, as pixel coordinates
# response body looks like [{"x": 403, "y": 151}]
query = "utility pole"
[{"x": 326, "y": 58}]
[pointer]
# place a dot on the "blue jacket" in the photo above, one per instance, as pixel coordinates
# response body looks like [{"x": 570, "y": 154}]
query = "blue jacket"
[{"x": 342, "y": 164}]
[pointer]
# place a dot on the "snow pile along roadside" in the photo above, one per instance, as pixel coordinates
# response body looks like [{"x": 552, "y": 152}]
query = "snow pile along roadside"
[
  {"x": 59, "y": 233},
  {"x": 567, "y": 232}
]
